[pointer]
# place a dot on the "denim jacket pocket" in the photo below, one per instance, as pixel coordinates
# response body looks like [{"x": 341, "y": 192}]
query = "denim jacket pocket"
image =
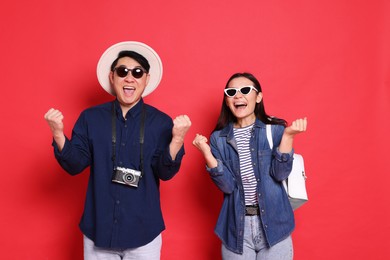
[{"x": 263, "y": 160}]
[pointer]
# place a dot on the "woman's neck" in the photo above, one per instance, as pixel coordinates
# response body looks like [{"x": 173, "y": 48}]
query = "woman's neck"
[{"x": 243, "y": 122}]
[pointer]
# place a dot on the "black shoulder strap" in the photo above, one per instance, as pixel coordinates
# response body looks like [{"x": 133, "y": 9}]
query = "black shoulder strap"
[
  {"x": 141, "y": 136},
  {"x": 113, "y": 125},
  {"x": 141, "y": 139}
]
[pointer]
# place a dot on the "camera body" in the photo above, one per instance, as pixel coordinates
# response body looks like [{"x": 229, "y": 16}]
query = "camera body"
[{"x": 126, "y": 176}]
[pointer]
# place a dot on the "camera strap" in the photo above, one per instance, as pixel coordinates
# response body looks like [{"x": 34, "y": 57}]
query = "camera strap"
[{"x": 141, "y": 136}]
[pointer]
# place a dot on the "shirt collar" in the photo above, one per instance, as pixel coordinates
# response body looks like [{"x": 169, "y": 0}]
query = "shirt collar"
[{"x": 133, "y": 112}]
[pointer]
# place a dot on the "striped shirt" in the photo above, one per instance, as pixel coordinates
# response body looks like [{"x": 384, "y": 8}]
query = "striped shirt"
[{"x": 243, "y": 136}]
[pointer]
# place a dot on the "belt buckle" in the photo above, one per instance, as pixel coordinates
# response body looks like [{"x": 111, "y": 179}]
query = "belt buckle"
[{"x": 252, "y": 210}]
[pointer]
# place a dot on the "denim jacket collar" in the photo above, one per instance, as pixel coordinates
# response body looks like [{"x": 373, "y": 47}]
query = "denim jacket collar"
[{"x": 228, "y": 131}]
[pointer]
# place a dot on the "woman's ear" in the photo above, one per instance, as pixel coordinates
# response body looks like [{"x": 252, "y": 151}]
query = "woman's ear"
[{"x": 259, "y": 97}]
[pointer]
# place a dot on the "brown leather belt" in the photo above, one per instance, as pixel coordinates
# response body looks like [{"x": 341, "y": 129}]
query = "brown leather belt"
[{"x": 251, "y": 210}]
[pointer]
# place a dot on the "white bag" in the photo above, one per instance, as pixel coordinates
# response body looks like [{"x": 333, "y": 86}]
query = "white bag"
[{"x": 295, "y": 185}]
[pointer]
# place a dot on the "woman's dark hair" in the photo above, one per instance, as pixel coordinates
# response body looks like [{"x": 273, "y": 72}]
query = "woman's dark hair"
[
  {"x": 226, "y": 116},
  {"x": 135, "y": 56}
]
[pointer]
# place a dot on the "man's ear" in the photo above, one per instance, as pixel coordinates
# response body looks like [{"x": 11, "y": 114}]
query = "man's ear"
[
  {"x": 147, "y": 79},
  {"x": 111, "y": 77}
]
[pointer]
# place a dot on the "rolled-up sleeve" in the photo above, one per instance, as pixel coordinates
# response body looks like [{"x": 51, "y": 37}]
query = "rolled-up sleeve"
[
  {"x": 75, "y": 155},
  {"x": 166, "y": 167},
  {"x": 281, "y": 164},
  {"x": 220, "y": 175}
]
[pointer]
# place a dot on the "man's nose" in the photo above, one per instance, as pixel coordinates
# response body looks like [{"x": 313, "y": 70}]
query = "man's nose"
[{"x": 129, "y": 78}]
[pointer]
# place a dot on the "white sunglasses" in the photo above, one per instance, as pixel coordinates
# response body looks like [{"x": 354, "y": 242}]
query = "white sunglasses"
[{"x": 246, "y": 90}]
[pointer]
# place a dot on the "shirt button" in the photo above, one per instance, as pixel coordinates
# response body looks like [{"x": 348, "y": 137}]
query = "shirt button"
[
  {"x": 123, "y": 144},
  {"x": 117, "y": 202},
  {"x": 115, "y": 221},
  {"x": 254, "y": 164}
]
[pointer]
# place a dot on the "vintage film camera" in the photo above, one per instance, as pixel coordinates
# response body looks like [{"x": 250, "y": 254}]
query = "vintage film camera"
[{"x": 126, "y": 176}]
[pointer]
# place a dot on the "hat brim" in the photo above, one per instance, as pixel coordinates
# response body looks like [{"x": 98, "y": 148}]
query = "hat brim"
[{"x": 108, "y": 57}]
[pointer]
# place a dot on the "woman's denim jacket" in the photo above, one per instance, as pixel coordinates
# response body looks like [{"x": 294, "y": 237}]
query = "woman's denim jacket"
[{"x": 270, "y": 168}]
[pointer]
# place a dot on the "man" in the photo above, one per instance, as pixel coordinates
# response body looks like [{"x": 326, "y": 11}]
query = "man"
[{"x": 129, "y": 147}]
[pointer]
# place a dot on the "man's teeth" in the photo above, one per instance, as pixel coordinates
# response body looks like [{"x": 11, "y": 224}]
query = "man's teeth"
[{"x": 128, "y": 89}]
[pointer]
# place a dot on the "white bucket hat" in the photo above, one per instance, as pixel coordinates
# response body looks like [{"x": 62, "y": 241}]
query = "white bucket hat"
[{"x": 108, "y": 57}]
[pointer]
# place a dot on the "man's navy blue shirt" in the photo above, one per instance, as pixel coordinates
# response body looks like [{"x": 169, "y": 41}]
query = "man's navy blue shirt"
[{"x": 117, "y": 215}]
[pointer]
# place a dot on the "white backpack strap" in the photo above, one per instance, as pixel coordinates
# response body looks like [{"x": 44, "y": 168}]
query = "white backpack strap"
[
  {"x": 269, "y": 136},
  {"x": 271, "y": 144}
]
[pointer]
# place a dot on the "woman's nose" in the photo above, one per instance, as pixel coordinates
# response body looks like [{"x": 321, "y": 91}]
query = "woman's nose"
[{"x": 238, "y": 94}]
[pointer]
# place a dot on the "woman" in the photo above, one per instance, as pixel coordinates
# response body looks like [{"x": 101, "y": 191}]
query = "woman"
[{"x": 256, "y": 219}]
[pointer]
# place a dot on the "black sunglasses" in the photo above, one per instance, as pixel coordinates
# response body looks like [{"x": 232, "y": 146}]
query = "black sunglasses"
[
  {"x": 231, "y": 92},
  {"x": 122, "y": 72}
]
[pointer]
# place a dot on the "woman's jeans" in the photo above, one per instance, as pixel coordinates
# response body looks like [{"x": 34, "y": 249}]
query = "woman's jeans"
[
  {"x": 255, "y": 246},
  {"x": 149, "y": 251}
]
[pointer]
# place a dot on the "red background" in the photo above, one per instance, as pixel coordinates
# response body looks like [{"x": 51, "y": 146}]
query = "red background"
[{"x": 327, "y": 60}]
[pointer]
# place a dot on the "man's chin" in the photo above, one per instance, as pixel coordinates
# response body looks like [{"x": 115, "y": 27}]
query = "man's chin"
[{"x": 129, "y": 102}]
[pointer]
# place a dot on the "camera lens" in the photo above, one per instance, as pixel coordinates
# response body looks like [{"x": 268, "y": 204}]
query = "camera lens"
[{"x": 128, "y": 178}]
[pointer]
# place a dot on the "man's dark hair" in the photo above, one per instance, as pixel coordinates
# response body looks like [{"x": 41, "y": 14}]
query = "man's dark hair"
[{"x": 134, "y": 55}]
